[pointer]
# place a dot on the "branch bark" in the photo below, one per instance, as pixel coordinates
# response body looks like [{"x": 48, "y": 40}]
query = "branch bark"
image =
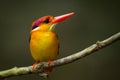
[{"x": 41, "y": 66}]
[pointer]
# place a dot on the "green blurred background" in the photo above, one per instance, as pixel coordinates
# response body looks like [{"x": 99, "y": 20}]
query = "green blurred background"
[{"x": 93, "y": 20}]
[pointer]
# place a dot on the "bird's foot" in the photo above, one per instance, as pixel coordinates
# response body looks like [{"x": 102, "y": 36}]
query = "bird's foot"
[
  {"x": 49, "y": 62},
  {"x": 48, "y": 70},
  {"x": 41, "y": 70},
  {"x": 34, "y": 65}
]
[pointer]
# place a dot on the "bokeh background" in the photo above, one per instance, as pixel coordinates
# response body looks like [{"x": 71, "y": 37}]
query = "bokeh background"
[{"x": 93, "y": 20}]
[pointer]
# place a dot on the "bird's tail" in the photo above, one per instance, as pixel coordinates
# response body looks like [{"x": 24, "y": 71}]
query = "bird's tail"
[{"x": 48, "y": 70}]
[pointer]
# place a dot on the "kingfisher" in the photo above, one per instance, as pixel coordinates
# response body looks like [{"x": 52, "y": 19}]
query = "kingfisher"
[{"x": 44, "y": 43}]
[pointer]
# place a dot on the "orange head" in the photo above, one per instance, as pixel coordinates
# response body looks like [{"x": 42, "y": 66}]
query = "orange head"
[{"x": 47, "y": 23}]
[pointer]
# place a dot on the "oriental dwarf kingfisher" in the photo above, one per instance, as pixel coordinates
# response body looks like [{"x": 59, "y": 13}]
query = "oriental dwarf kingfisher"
[{"x": 44, "y": 44}]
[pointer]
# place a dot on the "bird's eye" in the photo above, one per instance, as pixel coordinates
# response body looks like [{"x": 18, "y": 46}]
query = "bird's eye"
[{"x": 46, "y": 20}]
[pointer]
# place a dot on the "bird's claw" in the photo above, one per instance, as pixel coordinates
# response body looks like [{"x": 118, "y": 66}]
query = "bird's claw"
[{"x": 40, "y": 67}]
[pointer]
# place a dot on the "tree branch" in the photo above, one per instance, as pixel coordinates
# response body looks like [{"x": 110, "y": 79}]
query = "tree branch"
[{"x": 41, "y": 66}]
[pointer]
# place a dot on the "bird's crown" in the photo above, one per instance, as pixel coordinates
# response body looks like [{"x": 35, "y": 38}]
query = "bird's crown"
[{"x": 42, "y": 20}]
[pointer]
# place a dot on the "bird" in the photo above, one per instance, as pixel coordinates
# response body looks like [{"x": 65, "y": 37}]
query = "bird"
[{"x": 44, "y": 43}]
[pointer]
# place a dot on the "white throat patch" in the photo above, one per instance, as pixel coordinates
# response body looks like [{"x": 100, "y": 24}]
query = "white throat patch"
[{"x": 36, "y": 29}]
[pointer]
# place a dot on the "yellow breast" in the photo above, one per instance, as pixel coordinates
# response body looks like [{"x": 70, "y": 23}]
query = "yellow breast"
[{"x": 44, "y": 45}]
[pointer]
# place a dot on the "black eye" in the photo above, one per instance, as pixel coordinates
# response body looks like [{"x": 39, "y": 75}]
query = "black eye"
[{"x": 46, "y": 21}]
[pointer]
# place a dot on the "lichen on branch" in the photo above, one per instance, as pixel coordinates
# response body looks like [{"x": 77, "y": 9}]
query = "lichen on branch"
[{"x": 41, "y": 66}]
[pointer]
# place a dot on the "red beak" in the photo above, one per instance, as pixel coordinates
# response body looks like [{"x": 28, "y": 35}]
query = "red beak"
[{"x": 62, "y": 17}]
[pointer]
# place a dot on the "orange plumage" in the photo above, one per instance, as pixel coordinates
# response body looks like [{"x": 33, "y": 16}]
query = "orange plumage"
[{"x": 44, "y": 44}]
